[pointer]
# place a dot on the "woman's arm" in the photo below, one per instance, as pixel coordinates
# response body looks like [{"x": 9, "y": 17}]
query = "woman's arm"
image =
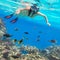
[{"x": 39, "y": 13}]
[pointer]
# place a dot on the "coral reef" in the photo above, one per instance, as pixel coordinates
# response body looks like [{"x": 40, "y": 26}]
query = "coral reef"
[
  {"x": 2, "y": 28},
  {"x": 9, "y": 52}
]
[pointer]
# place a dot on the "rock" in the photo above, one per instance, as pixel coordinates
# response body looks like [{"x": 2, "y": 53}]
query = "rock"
[
  {"x": 53, "y": 52},
  {"x": 51, "y": 57},
  {"x": 2, "y": 28}
]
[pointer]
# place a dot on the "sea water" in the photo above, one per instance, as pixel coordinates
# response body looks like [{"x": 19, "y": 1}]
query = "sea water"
[{"x": 34, "y": 26}]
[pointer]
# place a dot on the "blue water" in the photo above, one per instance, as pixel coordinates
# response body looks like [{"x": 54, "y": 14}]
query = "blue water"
[{"x": 34, "y": 25}]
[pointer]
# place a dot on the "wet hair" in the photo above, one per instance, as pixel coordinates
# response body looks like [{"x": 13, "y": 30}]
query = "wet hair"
[{"x": 35, "y": 4}]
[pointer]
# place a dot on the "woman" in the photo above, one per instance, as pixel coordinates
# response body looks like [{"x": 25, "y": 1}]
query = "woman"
[{"x": 32, "y": 11}]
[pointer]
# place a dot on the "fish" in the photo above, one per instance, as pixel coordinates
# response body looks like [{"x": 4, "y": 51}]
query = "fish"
[
  {"x": 52, "y": 41},
  {"x": 15, "y": 40},
  {"x": 14, "y": 21},
  {"x": 20, "y": 41},
  {"x": 7, "y": 35},
  {"x": 26, "y": 32}
]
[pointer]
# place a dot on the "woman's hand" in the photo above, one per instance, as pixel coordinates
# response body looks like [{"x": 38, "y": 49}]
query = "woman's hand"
[{"x": 49, "y": 24}]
